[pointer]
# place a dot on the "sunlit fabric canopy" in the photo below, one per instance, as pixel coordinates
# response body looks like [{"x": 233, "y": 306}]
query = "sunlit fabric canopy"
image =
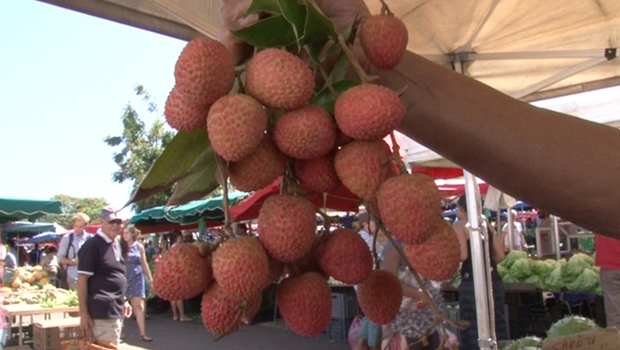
[{"x": 14, "y": 209}]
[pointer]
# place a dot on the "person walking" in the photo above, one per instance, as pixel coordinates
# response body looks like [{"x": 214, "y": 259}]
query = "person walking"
[
  {"x": 468, "y": 338},
  {"x": 136, "y": 271},
  {"x": 68, "y": 252},
  {"x": 102, "y": 283}
]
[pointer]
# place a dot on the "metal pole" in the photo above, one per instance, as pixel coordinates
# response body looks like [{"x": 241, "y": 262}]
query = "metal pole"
[
  {"x": 511, "y": 227},
  {"x": 482, "y": 292},
  {"x": 556, "y": 236}
]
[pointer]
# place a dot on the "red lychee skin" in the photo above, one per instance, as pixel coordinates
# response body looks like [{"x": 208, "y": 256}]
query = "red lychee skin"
[
  {"x": 345, "y": 256},
  {"x": 410, "y": 207},
  {"x": 305, "y": 303},
  {"x": 241, "y": 267},
  {"x": 362, "y": 166},
  {"x": 305, "y": 133},
  {"x": 222, "y": 315},
  {"x": 287, "y": 227},
  {"x": 380, "y": 296},
  {"x": 384, "y": 40},
  {"x": 182, "y": 273},
  {"x": 318, "y": 175},
  {"x": 439, "y": 257},
  {"x": 368, "y": 112},
  {"x": 309, "y": 262},
  {"x": 184, "y": 114},
  {"x": 259, "y": 169},
  {"x": 236, "y": 126},
  {"x": 204, "y": 71},
  {"x": 276, "y": 269},
  {"x": 279, "y": 80}
]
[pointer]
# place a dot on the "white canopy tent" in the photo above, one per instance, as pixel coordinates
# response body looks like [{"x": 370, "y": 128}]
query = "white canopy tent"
[{"x": 528, "y": 49}]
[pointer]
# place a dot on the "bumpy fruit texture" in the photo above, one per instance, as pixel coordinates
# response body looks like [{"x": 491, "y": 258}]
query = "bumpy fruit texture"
[
  {"x": 368, "y": 112},
  {"x": 241, "y": 267},
  {"x": 236, "y": 126},
  {"x": 318, "y": 175},
  {"x": 305, "y": 133},
  {"x": 305, "y": 303},
  {"x": 439, "y": 257},
  {"x": 410, "y": 207},
  {"x": 363, "y": 166},
  {"x": 222, "y": 315},
  {"x": 380, "y": 296},
  {"x": 279, "y": 80},
  {"x": 259, "y": 169},
  {"x": 287, "y": 227},
  {"x": 204, "y": 71},
  {"x": 184, "y": 114},
  {"x": 384, "y": 40},
  {"x": 346, "y": 257},
  {"x": 182, "y": 273}
]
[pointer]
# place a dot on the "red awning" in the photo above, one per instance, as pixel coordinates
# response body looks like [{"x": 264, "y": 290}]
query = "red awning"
[{"x": 438, "y": 173}]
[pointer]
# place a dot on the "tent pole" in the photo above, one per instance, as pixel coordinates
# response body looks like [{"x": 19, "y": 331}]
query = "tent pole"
[
  {"x": 556, "y": 236},
  {"x": 510, "y": 224}
]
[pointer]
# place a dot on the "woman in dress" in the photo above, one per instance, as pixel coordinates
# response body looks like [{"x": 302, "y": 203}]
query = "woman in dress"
[{"x": 136, "y": 270}]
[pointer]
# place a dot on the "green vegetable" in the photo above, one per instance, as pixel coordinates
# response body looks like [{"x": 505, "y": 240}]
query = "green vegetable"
[
  {"x": 585, "y": 282},
  {"x": 554, "y": 282},
  {"x": 513, "y": 256},
  {"x": 542, "y": 268},
  {"x": 502, "y": 270},
  {"x": 510, "y": 279},
  {"x": 520, "y": 269},
  {"x": 525, "y": 343},
  {"x": 577, "y": 264},
  {"x": 571, "y": 325}
]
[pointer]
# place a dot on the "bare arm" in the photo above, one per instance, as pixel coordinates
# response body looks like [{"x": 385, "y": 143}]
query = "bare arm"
[
  {"x": 145, "y": 265},
  {"x": 391, "y": 261},
  {"x": 82, "y": 289},
  {"x": 498, "y": 245},
  {"x": 463, "y": 235}
]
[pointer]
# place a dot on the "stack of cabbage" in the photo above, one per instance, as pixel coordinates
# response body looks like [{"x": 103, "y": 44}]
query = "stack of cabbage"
[
  {"x": 567, "y": 326},
  {"x": 577, "y": 275}
]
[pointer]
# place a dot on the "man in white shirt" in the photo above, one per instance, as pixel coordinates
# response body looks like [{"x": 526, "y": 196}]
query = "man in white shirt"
[
  {"x": 68, "y": 251},
  {"x": 517, "y": 234}
]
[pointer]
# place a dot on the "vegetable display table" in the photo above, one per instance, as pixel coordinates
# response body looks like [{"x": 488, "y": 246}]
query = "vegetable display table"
[{"x": 21, "y": 310}]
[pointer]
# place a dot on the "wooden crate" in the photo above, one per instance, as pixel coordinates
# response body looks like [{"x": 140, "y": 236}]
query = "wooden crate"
[{"x": 50, "y": 333}]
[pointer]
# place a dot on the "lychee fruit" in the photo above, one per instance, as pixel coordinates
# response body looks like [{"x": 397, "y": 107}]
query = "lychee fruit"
[
  {"x": 183, "y": 114},
  {"x": 204, "y": 71},
  {"x": 287, "y": 227},
  {"x": 305, "y": 303},
  {"x": 384, "y": 40},
  {"x": 368, "y": 112},
  {"x": 279, "y": 80},
  {"x": 439, "y": 257},
  {"x": 309, "y": 262},
  {"x": 241, "y": 267},
  {"x": 259, "y": 169},
  {"x": 345, "y": 256},
  {"x": 410, "y": 206},
  {"x": 236, "y": 126},
  {"x": 305, "y": 133},
  {"x": 380, "y": 296},
  {"x": 318, "y": 175},
  {"x": 182, "y": 273},
  {"x": 276, "y": 268},
  {"x": 222, "y": 314},
  {"x": 363, "y": 166}
]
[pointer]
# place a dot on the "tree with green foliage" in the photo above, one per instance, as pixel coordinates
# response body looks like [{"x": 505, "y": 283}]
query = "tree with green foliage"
[
  {"x": 140, "y": 146},
  {"x": 73, "y": 205}
]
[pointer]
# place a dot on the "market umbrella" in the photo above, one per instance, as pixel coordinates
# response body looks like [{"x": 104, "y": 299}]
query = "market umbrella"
[
  {"x": 186, "y": 216},
  {"x": 15, "y": 209},
  {"x": 45, "y": 237}
]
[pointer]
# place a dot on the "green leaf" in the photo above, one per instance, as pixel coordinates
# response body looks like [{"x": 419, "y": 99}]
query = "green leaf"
[
  {"x": 173, "y": 164},
  {"x": 317, "y": 25},
  {"x": 291, "y": 10},
  {"x": 269, "y": 32},
  {"x": 316, "y": 49},
  {"x": 327, "y": 99},
  {"x": 199, "y": 181},
  {"x": 269, "y": 6}
]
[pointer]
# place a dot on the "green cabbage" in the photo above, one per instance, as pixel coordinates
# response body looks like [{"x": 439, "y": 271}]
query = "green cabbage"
[
  {"x": 571, "y": 325},
  {"x": 525, "y": 343},
  {"x": 554, "y": 282},
  {"x": 520, "y": 269},
  {"x": 514, "y": 256},
  {"x": 533, "y": 279},
  {"x": 577, "y": 264},
  {"x": 509, "y": 279},
  {"x": 541, "y": 268},
  {"x": 585, "y": 282},
  {"x": 502, "y": 270}
]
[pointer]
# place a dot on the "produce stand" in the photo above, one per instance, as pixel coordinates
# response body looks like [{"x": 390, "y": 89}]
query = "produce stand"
[{"x": 21, "y": 310}]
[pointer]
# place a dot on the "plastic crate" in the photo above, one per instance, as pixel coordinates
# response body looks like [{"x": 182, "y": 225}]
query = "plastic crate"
[
  {"x": 49, "y": 334},
  {"x": 338, "y": 329},
  {"x": 533, "y": 320},
  {"x": 344, "y": 305}
]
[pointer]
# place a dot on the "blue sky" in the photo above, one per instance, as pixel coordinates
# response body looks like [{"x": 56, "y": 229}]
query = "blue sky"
[{"x": 65, "y": 79}]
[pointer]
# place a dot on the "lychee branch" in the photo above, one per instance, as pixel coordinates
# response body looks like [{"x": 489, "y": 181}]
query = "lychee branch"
[
  {"x": 222, "y": 167},
  {"x": 385, "y": 8},
  {"x": 396, "y": 155},
  {"x": 364, "y": 78},
  {"x": 440, "y": 318}
]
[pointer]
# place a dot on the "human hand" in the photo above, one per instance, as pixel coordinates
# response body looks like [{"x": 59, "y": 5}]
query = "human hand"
[
  {"x": 127, "y": 310},
  {"x": 86, "y": 324},
  {"x": 342, "y": 13}
]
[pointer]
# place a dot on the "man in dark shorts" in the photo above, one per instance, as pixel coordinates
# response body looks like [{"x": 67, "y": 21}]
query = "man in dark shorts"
[{"x": 102, "y": 282}]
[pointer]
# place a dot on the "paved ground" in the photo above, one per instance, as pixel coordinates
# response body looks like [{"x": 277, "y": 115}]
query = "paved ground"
[{"x": 171, "y": 335}]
